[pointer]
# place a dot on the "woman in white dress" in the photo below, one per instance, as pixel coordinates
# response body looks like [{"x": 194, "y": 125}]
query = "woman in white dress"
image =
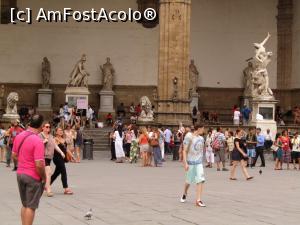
[{"x": 118, "y": 137}]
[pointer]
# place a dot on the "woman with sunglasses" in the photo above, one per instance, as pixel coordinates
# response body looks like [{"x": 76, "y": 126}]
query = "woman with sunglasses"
[
  {"x": 59, "y": 161},
  {"x": 50, "y": 148}
]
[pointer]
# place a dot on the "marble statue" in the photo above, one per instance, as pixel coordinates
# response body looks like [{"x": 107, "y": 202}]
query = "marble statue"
[
  {"x": 194, "y": 77},
  {"x": 12, "y": 100},
  {"x": 108, "y": 74},
  {"x": 45, "y": 73},
  {"x": 260, "y": 77},
  {"x": 79, "y": 76},
  {"x": 2, "y": 91},
  {"x": 248, "y": 84},
  {"x": 154, "y": 94},
  {"x": 147, "y": 113}
]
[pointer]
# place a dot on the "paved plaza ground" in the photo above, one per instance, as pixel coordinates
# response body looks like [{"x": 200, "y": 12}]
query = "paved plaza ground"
[{"x": 128, "y": 194}]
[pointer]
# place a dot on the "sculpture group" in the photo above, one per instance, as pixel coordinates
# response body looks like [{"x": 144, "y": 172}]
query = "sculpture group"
[{"x": 256, "y": 77}]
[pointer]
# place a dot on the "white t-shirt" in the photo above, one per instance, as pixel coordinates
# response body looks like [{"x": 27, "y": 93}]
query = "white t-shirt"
[{"x": 236, "y": 115}]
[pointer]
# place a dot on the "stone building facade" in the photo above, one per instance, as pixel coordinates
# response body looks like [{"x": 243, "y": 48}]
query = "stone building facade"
[{"x": 220, "y": 36}]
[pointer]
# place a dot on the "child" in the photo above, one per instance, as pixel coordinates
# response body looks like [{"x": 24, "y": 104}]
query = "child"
[{"x": 192, "y": 160}]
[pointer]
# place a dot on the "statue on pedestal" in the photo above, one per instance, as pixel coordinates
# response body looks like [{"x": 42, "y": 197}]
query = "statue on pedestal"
[
  {"x": 194, "y": 77},
  {"x": 79, "y": 76},
  {"x": 11, "y": 107},
  {"x": 147, "y": 113},
  {"x": 45, "y": 73},
  {"x": 108, "y": 74}
]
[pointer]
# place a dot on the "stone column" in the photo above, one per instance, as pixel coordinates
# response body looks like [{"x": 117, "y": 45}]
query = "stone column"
[
  {"x": 174, "y": 52},
  {"x": 284, "y": 50}
]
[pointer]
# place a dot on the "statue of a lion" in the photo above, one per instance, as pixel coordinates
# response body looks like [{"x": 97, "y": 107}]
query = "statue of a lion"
[
  {"x": 12, "y": 99},
  {"x": 147, "y": 113}
]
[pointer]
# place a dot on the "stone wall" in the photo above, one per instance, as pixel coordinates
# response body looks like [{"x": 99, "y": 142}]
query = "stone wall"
[
  {"x": 219, "y": 99},
  {"x": 222, "y": 33},
  {"x": 125, "y": 94}
]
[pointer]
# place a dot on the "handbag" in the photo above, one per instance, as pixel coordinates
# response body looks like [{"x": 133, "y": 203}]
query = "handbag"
[{"x": 274, "y": 148}]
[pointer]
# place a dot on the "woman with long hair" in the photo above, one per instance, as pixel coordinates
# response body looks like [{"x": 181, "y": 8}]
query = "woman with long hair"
[
  {"x": 286, "y": 150},
  {"x": 134, "y": 148},
  {"x": 239, "y": 156},
  {"x": 59, "y": 161},
  {"x": 70, "y": 136},
  {"x": 50, "y": 148},
  {"x": 119, "y": 136},
  {"x": 78, "y": 142},
  {"x": 278, "y": 153},
  {"x": 144, "y": 146},
  {"x": 156, "y": 149}
]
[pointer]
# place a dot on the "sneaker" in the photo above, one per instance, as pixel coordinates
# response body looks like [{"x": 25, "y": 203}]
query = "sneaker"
[
  {"x": 224, "y": 169},
  {"x": 218, "y": 169},
  {"x": 200, "y": 203},
  {"x": 183, "y": 199},
  {"x": 14, "y": 169}
]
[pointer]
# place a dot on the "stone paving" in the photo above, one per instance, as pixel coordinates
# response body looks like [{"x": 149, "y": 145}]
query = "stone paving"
[{"x": 128, "y": 194}]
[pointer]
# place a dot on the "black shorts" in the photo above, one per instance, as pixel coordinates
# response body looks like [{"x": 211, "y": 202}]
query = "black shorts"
[
  {"x": 30, "y": 190},
  {"x": 295, "y": 155},
  {"x": 47, "y": 162}
]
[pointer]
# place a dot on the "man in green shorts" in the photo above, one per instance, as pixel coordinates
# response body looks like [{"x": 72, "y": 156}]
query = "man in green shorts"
[{"x": 193, "y": 146}]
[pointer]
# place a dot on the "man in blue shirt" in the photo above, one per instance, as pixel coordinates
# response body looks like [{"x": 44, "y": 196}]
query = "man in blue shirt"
[
  {"x": 246, "y": 115},
  {"x": 260, "y": 148}
]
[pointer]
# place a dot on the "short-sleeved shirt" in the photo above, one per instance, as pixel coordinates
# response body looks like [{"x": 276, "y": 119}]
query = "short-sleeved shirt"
[
  {"x": 236, "y": 115},
  {"x": 195, "y": 152},
  {"x": 246, "y": 112},
  {"x": 251, "y": 138},
  {"x": 296, "y": 144},
  {"x": 168, "y": 135},
  {"x": 32, "y": 150},
  {"x": 260, "y": 140},
  {"x": 14, "y": 131},
  {"x": 187, "y": 138}
]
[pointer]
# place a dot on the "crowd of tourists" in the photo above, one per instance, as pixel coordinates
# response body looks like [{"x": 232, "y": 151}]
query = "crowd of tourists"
[{"x": 130, "y": 144}]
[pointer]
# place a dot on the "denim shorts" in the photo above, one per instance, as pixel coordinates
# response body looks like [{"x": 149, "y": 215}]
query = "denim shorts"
[{"x": 251, "y": 153}]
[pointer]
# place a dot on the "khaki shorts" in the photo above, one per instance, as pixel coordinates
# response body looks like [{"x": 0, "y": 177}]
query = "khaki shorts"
[
  {"x": 30, "y": 190},
  {"x": 220, "y": 155}
]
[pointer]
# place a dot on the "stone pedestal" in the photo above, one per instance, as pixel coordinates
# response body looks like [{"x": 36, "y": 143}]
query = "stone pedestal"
[
  {"x": 266, "y": 108},
  {"x": 77, "y": 96},
  {"x": 174, "y": 53},
  {"x": 106, "y": 104},
  {"x": 195, "y": 101},
  {"x": 44, "y": 100},
  {"x": 8, "y": 118}
]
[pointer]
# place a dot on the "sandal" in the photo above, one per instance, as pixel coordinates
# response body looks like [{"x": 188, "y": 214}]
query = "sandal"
[
  {"x": 232, "y": 178},
  {"x": 249, "y": 178},
  {"x": 50, "y": 194},
  {"x": 68, "y": 192}
]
